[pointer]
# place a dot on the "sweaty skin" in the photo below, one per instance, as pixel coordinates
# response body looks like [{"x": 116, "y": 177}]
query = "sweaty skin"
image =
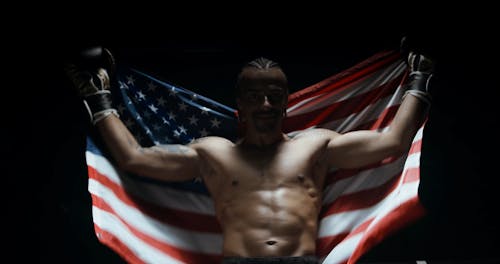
[
  {"x": 267, "y": 199},
  {"x": 267, "y": 187}
]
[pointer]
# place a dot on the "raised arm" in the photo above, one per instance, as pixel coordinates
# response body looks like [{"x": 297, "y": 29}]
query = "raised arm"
[
  {"x": 171, "y": 162},
  {"x": 165, "y": 162},
  {"x": 359, "y": 148}
]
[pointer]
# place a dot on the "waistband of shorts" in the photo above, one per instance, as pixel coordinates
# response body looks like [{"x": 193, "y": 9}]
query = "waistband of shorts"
[{"x": 271, "y": 260}]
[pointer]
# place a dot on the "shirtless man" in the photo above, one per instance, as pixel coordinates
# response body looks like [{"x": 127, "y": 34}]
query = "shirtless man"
[{"x": 266, "y": 187}]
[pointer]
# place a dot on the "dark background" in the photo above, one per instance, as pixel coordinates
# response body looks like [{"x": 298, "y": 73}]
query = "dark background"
[{"x": 458, "y": 159}]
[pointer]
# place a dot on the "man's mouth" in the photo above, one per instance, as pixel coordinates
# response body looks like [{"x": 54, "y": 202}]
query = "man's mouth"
[{"x": 266, "y": 115}]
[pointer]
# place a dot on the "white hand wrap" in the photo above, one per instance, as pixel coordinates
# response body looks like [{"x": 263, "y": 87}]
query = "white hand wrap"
[{"x": 103, "y": 114}]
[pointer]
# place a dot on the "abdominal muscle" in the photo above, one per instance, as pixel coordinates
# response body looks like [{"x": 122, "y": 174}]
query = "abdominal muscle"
[{"x": 276, "y": 222}]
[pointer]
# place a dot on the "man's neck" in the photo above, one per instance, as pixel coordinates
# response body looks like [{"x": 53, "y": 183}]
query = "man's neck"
[{"x": 263, "y": 140}]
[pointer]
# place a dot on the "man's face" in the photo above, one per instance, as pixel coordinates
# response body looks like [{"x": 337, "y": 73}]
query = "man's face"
[{"x": 263, "y": 98}]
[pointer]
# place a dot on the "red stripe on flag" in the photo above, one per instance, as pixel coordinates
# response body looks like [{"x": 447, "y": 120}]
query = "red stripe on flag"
[
  {"x": 361, "y": 199},
  {"x": 341, "y": 80},
  {"x": 346, "y": 173},
  {"x": 338, "y": 110},
  {"x": 325, "y": 99},
  {"x": 408, "y": 212},
  {"x": 183, "y": 219},
  {"x": 411, "y": 175},
  {"x": 171, "y": 250},
  {"x": 399, "y": 217},
  {"x": 326, "y": 244},
  {"x": 385, "y": 119},
  {"x": 113, "y": 242},
  {"x": 415, "y": 147}
]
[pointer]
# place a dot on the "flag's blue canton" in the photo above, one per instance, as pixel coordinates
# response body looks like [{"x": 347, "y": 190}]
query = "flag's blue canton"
[
  {"x": 157, "y": 112},
  {"x": 161, "y": 113}
]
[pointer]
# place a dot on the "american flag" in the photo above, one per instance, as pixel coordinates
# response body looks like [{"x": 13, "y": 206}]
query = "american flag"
[{"x": 148, "y": 221}]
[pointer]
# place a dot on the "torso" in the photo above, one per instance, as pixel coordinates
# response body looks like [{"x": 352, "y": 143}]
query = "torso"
[{"x": 267, "y": 200}]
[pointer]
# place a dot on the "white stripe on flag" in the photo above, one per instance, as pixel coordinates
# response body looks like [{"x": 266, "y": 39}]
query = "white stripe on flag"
[
  {"x": 110, "y": 223},
  {"x": 153, "y": 193},
  {"x": 342, "y": 251},
  {"x": 186, "y": 239},
  {"x": 372, "y": 178},
  {"x": 346, "y": 221},
  {"x": 369, "y": 113},
  {"x": 363, "y": 85},
  {"x": 346, "y": 247},
  {"x": 364, "y": 180}
]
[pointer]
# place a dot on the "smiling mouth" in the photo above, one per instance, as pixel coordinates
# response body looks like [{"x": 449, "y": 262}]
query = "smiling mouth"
[
  {"x": 271, "y": 115},
  {"x": 266, "y": 115}
]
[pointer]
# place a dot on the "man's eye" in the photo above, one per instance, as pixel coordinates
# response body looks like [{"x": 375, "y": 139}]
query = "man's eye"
[
  {"x": 253, "y": 96},
  {"x": 276, "y": 96}
]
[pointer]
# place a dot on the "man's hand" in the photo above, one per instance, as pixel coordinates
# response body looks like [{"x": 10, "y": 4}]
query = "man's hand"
[
  {"x": 86, "y": 82},
  {"x": 421, "y": 70},
  {"x": 91, "y": 79},
  {"x": 420, "y": 63}
]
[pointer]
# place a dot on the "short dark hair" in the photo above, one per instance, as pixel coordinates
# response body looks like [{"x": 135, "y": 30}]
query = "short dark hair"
[
  {"x": 262, "y": 63},
  {"x": 259, "y": 63}
]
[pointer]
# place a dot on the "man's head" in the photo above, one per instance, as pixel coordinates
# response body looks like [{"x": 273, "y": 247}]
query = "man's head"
[{"x": 262, "y": 95}]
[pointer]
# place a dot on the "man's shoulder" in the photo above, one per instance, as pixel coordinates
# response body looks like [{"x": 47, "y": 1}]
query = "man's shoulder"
[
  {"x": 314, "y": 133},
  {"x": 211, "y": 140}
]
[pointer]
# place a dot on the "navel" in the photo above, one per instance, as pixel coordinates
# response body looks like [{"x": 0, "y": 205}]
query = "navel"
[
  {"x": 234, "y": 182},
  {"x": 301, "y": 178},
  {"x": 271, "y": 242}
]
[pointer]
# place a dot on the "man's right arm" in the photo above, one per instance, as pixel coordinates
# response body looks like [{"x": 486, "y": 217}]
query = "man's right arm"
[
  {"x": 165, "y": 162},
  {"x": 91, "y": 78}
]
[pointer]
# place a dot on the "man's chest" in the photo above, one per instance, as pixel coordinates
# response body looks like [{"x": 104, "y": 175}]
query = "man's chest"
[{"x": 286, "y": 165}]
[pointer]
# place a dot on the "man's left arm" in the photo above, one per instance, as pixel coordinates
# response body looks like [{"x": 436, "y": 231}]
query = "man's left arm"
[{"x": 360, "y": 148}]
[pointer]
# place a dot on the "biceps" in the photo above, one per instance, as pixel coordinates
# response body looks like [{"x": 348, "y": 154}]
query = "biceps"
[
  {"x": 166, "y": 162},
  {"x": 359, "y": 148}
]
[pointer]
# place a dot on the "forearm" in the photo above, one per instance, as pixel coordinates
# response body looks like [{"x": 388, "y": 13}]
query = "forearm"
[
  {"x": 409, "y": 118},
  {"x": 416, "y": 101},
  {"x": 118, "y": 139}
]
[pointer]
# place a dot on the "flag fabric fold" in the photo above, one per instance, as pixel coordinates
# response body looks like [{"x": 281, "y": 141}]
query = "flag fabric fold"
[{"x": 149, "y": 221}]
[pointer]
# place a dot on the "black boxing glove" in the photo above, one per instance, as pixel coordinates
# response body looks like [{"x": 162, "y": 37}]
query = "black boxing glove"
[
  {"x": 421, "y": 69},
  {"x": 90, "y": 76}
]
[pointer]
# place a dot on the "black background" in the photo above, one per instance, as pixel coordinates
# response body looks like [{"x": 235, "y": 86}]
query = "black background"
[{"x": 459, "y": 155}]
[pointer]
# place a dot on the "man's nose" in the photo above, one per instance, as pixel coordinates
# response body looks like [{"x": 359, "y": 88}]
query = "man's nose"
[{"x": 266, "y": 102}]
